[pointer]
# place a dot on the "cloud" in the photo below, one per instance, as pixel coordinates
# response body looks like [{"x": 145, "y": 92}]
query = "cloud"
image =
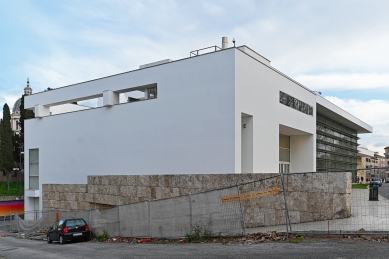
[
  {"x": 374, "y": 113},
  {"x": 344, "y": 81},
  {"x": 213, "y": 9}
]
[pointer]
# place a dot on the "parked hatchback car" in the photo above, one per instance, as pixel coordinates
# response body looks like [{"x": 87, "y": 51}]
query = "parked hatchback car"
[
  {"x": 68, "y": 229},
  {"x": 376, "y": 181},
  {"x": 387, "y": 180}
]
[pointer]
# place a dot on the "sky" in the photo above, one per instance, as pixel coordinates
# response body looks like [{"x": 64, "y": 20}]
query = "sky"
[{"x": 339, "y": 48}]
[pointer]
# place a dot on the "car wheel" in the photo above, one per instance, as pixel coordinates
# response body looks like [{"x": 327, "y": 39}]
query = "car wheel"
[
  {"x": 49, "y": 241},
  {"x": 87, "y": 238},
  {"x": 62, "y": 240}
]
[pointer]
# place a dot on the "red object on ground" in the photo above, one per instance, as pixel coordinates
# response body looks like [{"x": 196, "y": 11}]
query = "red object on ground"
[
  {"x": 182, "y": 240},
  {"x": 3, "y": 235},
  {"x": 144, "y": 240}
]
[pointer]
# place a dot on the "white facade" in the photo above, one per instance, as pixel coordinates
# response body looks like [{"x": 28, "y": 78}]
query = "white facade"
[{"x": 214, "y": 113}]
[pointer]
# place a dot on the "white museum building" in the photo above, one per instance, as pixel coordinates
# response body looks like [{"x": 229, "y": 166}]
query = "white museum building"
[{"x": 220, "y": 111}]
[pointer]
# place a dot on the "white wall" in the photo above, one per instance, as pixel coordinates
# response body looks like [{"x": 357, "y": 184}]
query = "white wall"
[
  {"x": 257, "y": 93},
  {"x": 302, "y": 153},
  {"x": 247, "y": 143},
  {"x": 188, "y": 129},
  {"x": 69, "y": 107}
]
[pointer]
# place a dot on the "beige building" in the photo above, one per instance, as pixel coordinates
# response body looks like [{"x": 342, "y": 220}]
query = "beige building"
[
  {"x": 373, "y": 164},
  {"x": 15, "y": 113}
]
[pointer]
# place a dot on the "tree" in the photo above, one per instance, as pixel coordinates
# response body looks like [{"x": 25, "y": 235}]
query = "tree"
[
  {"x": 6, "y": 147},
  {"x": 24, "y": 115}
]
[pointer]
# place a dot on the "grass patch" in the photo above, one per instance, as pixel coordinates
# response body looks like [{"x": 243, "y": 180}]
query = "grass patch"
[
  {"x": 101, "y": 237},
  {"x": 198, "y": 233},
  {"x": 296, "y": 240},
  {"x": 14, "y": 189},
  {"x": 360, "y": 186}
]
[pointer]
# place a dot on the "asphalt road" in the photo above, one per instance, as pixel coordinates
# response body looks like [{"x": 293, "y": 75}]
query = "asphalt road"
[
  {"x": 384, "y": 190},
  {"x": 11, "y": 248}
]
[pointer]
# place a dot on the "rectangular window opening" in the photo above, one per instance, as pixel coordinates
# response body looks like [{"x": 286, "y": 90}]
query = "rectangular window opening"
[{"x": 34, "y": 169}]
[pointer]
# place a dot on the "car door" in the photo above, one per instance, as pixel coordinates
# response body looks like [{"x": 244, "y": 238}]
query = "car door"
[
  {"x": 52, "y": 231},
  {"x": 59, "y": 229}
]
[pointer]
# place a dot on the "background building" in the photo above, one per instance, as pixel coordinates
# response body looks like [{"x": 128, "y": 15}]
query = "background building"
[
  {"x": 374, "y": 164},
  {"x": 15, "y": 115}
]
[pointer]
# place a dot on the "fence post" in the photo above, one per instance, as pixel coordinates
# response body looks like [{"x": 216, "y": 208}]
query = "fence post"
[
  {"x": 119, "y": 218},
  {"x": 190, "y": 210},
  {"x": 17, "y": 222},
  {"x": 149, "y": 208},
  {"x": 241, "y": 211},
  {"x": 287, "y": 220}
]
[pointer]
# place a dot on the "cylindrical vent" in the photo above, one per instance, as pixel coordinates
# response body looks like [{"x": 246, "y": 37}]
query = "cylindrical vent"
[{"x": 224, "y": 43}]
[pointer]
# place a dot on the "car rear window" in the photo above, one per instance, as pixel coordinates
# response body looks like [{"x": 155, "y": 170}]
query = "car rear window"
[{"x": 75, "y": 222}]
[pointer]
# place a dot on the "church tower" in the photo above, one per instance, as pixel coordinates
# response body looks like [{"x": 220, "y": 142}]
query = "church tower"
[
  {"x": 15, "y": 115},
  {"x": 27, "y": 89}
]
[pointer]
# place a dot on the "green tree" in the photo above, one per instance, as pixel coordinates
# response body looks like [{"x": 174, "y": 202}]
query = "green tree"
[
  {"x": 24, "y": 115},
  {"x": 6, "y": 147}
]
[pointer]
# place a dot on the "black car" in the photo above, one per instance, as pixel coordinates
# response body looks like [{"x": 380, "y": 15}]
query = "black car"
[{"x": 68, "y": 229}]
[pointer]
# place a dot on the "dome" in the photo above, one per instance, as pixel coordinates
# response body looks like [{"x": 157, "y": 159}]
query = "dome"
[{"x": 16, "y": 107}]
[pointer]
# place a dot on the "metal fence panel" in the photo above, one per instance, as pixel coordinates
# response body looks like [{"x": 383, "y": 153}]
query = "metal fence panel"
[
  {"x": 224, "y": 218},
  {"x": 316, "y": 202},
  {"x": 170, "y": 217},
  {"x": 135, "y": 219}
]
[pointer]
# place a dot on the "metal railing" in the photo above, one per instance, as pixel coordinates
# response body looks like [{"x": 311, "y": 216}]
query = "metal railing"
[{"x": 197, "y": 52}]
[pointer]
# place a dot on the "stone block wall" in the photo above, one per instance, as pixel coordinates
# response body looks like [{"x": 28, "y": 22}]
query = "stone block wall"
[
  {"x": 65, "y": 197},
  {"x": 10, "y": 198},
  {"x": 310, "y": 197}
]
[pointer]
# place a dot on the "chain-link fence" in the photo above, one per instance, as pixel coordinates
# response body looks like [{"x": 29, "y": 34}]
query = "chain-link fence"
[{"x": 317, "y": 202}]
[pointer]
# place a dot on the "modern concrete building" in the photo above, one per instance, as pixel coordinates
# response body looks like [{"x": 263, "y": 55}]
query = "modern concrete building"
[{"x": 224, "y": 111}]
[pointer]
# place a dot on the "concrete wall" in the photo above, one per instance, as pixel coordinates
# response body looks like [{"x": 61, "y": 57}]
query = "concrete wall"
[
  {"x": 257, "y": 92},
  {"x": 310, "y": 197},
  {"x": 188, "y": 129}
]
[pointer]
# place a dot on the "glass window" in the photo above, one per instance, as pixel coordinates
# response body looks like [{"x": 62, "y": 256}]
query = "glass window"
[
  {"x": 34, "y": 155},
  {"x": 295, "y": 103},
  {"x": 342, "y": 144},
  {"x": 33, "y": 169},
  {"x": 284, "y": 141},
  {"x": 152, "y": 92},
  {"x": 284, "y": 155}
]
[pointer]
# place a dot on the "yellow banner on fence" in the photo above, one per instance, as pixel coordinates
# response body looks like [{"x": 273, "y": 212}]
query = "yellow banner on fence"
[{"x": 249, "y": 195}]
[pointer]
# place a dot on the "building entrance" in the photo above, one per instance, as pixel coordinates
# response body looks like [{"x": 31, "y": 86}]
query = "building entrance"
[{"x": 284, "y": 167}]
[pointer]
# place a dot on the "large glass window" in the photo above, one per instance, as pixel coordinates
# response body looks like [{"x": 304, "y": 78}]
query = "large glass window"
[
  {"x": 34, "y": 169},
  {"x": 336, "y": 145},
  {"x": 284, "y": 154}
]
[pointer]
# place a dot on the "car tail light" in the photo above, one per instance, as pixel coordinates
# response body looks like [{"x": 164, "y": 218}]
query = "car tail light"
[
  {"x": 87, "y": 228},
  {"x": 65, "y": 230}
]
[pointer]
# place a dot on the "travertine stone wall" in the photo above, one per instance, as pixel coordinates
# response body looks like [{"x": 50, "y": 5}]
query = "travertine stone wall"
[
  {"x": 65, "y": 197},
  {"x": 310, "y": 197},
  {"x": 10, "y": 198}
]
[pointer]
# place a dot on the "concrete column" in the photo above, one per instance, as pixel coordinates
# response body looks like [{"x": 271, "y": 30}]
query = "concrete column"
[
  {"x": 110, "y": 98},
  {"x": 41, "y": 111}
]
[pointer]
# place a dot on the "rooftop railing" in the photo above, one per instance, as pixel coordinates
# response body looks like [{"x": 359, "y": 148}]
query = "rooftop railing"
[{"x": 195, "y": 53}]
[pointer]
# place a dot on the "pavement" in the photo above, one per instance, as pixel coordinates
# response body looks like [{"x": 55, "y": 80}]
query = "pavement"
[
  {"x": 11, "y": 248},
  {"x": 366, "y": 216}
]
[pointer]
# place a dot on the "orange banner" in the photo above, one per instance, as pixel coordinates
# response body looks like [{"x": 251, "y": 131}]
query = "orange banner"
[{"x": 250, "y": 195}]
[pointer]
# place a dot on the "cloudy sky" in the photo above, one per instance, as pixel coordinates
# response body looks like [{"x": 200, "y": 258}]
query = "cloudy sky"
[{"x": 337, "y": 47}]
